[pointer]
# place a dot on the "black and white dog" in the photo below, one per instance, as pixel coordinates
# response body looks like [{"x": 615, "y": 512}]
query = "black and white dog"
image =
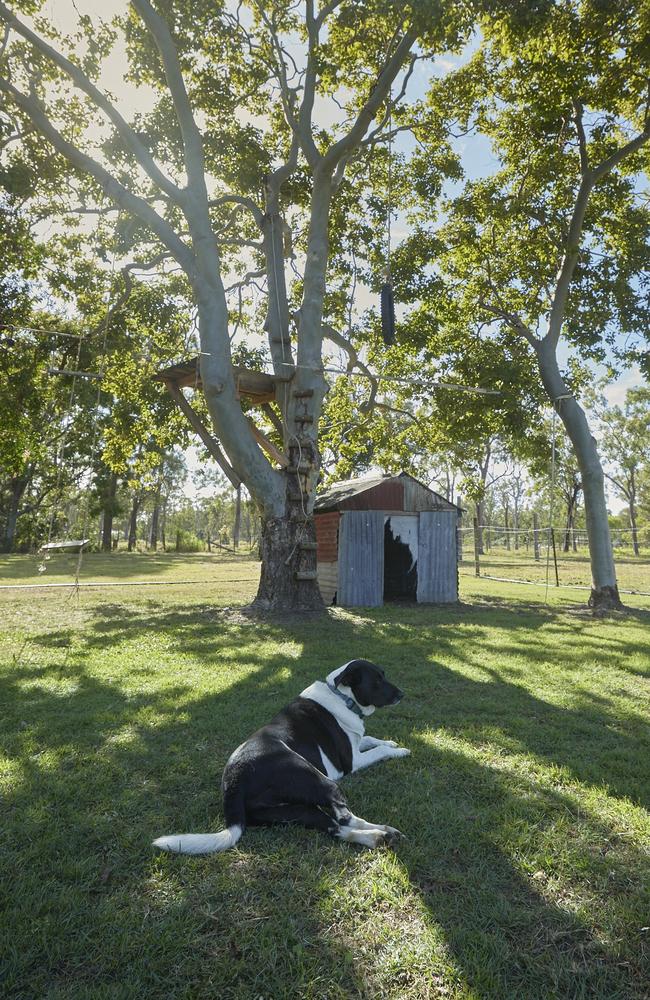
[{"x": 286, "y": 772}]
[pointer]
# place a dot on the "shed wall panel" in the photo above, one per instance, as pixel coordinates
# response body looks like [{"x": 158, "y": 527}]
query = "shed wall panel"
[
  {"x": 418, "y": 497},
  {"x": 437, "y": 566},
  {"x": 361, "y": 559},
  {"x": 384, "y": 496},
  {"x": 327, "y": 536},
  {"x": 328, "y": 581}
]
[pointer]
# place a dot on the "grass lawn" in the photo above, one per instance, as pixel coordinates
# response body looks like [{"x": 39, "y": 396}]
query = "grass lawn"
[
  {"x": 632, "y": 572},
  {"x": 526, "y": 872}
]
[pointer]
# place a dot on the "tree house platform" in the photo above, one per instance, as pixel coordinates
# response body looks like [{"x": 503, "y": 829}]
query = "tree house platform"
[{"x": 255, "y": 387}]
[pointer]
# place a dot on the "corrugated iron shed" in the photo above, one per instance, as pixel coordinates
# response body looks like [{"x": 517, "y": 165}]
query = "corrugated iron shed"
[{"x": 381, "y": 491}]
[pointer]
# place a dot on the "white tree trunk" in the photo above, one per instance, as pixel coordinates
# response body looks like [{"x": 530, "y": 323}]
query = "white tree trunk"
[{"x": 604, "y": 589}]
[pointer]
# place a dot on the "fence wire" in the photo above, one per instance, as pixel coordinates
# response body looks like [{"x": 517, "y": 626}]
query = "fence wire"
[{"x": 524, "y": 555}]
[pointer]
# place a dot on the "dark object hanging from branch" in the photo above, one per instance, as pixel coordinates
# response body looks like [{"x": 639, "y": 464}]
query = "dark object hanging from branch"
[{"x": 387, "y": 313}]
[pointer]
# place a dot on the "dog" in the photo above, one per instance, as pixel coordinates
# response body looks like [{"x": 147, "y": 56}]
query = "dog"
[{"x": 287, "y": 771}]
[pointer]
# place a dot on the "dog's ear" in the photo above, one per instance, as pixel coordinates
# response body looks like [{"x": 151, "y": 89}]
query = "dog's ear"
[{"x": 345, "y": 677}]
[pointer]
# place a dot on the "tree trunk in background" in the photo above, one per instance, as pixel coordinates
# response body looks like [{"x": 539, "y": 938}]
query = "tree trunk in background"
[
  {"x": 632, "y": 510},
  {"x": 236, "y": 530},
  {"x": 109, "y": 510},
  {"x": 604, "y": 589},
  {"x": 17, "y": 491},
  {"x": 571, "y": 518},
  {"x": 506, "y": 526},
  {"x": 479, "y": 517},
  {"x": 163, "y": 524},
  {"x": 133, "y": 521},
  {"x": 155, "y": 519}
]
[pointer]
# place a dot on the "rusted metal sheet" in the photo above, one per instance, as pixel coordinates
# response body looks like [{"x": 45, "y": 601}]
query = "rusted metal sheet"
[
  {"x": 388, "y": 495},
  {"x": 361, "y": 559},
  {"x": 437, "y": 567},
  {"x": 327, "y": 536},
  {"x": 418, "y": 497}
]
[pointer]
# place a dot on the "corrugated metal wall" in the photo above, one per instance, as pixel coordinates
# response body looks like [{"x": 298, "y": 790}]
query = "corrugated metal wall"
[
  {"x": 437, "y": 569},
  {"x": 361, "y": 559}
]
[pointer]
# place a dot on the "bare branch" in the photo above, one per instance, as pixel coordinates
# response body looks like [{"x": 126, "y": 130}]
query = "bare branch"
[
  {"x": 378, "y": 95},
  {"x": 512, "y": 320},
  {"x": 248, "y": 203},
  {"x": 79, "y": 78},
  {"x": 192, "y": 140},
  {"x": 354, "y": 362},
  {"x": 117, "y": 192},
  {"x": 578, "y": 111},
  {"x": 630, "y": 147}
]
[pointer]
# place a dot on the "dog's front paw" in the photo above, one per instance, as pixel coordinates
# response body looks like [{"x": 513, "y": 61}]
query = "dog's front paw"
[
  {"x": 400, "y": 752},
  {"x": 390, "y": 743}
]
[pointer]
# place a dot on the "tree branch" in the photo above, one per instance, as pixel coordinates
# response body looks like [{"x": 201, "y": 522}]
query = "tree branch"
[
  {"x": 79, "y": 78},
  {"x": 378, "y": 95},
  {"x": 117, "y": 192},
  {"x": 576, "y": 225},
  {"x": 329, "y": 333},
  {"x": 248, "y": 203},
  {"x": 192, "y": 140}
]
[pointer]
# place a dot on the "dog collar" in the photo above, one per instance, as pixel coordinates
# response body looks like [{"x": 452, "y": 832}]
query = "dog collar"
[{"x": 350, "y": 702}]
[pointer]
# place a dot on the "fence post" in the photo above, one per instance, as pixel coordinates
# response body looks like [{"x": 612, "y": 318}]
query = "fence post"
[
  {"x": 536, "y": 536},
  {"x": 459, "y": 532},
  {"x": 557, "y": 578},
  {"x": 477, "y": 563}
]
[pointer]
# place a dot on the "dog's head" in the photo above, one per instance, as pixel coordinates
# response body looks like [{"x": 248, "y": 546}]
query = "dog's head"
[{"x": 367, "y": 684}]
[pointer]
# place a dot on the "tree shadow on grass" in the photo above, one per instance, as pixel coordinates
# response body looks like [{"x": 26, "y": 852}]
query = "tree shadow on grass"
[{"x": 107, "y": 765}]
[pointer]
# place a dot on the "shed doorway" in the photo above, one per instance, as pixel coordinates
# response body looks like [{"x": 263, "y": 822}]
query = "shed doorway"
[{"x": 400, "y": 557}]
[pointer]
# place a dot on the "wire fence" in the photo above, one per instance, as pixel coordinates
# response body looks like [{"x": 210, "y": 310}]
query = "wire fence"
[{"x": 550, "y": 556}]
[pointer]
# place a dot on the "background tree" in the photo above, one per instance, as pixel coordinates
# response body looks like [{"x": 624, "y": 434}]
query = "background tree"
[
  {"x": 553, "y": 245},
  {"x": 625, "y": 437},
  {"x": 195, "y": 193}
]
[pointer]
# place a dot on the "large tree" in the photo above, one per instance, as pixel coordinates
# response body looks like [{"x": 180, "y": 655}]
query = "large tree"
[
  {"x": 231, "y": 159},
  {"x": 550, "y": 245}
]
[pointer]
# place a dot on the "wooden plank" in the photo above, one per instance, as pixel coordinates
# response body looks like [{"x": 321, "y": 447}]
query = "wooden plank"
[
  {"x": 307, "y": 574},
  {"x": 278, "y": 456},
  {"x": 197, "y": 424},
  {"x": 258, "y": 387}
]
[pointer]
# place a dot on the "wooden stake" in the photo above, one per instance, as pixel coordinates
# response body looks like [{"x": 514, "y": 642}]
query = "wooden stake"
[
  {"x": 477, "y": 562},
  {"x": 557, "y": 577}
]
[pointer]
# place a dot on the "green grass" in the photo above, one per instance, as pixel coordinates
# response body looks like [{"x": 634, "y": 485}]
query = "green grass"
[
  {"x": 632, "y": 572},
  {"x": 525, "y": 800}
]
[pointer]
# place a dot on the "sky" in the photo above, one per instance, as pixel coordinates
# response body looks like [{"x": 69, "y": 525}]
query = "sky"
[{"x": 478, "y": 159}]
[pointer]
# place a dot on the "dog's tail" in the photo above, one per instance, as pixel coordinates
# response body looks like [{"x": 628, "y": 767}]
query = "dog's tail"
[
  {"x": 212, "y": 843},
  {"x": 200, "y": 843}
]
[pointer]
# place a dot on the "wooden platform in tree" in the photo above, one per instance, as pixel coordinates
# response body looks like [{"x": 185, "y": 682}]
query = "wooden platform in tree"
[{"x": 256, "y": 387}]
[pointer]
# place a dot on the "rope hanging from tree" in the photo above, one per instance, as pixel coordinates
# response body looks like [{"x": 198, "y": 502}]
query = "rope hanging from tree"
[{"x": 387, "y": 297}]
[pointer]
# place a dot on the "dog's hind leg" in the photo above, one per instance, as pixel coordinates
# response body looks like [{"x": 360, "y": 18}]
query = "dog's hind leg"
[
  {"x": 305, "y": 815},
  {"x": 352, "y": 828}
]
